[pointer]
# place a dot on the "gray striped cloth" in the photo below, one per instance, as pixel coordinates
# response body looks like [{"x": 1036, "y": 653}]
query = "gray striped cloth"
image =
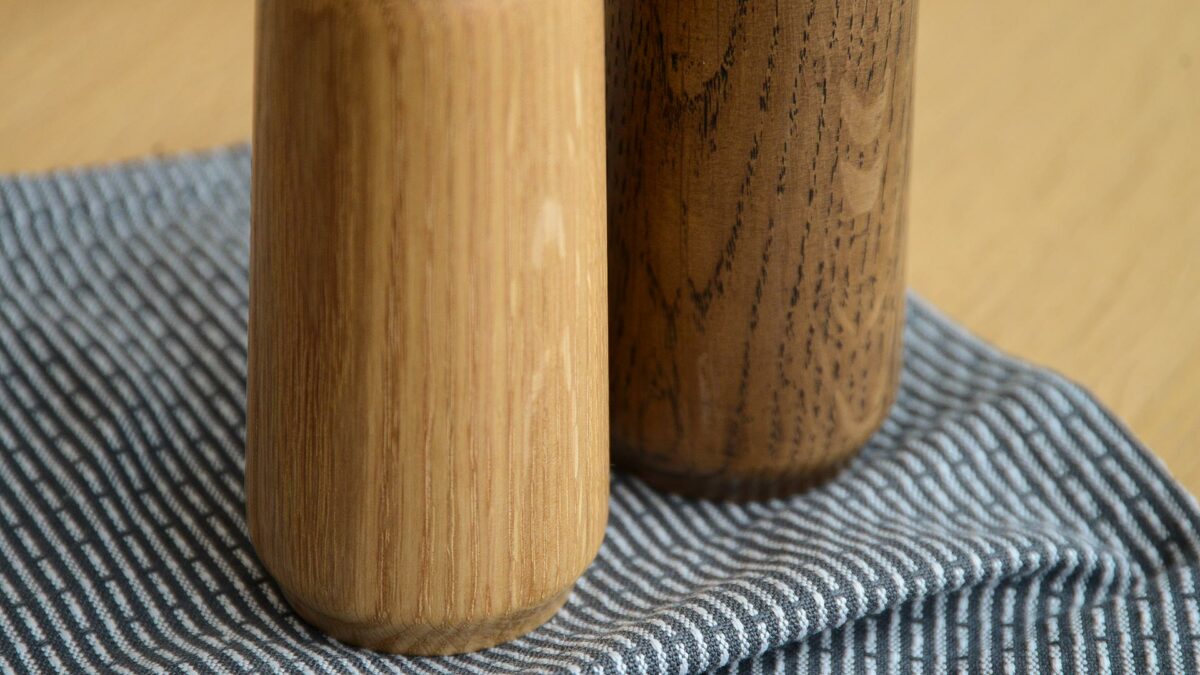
[{"x": 1001, "y": 521}]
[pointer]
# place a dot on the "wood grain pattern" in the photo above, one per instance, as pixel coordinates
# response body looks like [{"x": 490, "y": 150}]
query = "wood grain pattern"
[
  {"x": 427, "y": 458},
  {"x": 758, "y": 164}
]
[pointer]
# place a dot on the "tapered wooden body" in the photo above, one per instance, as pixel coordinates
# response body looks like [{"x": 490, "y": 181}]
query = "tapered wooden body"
[
  {"x": 758, "y": 155},
  {"x": 427, "y": 452}
]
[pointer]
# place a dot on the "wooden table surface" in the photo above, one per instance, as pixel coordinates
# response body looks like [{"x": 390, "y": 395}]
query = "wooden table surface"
[{"x": 1056, "y": 184}]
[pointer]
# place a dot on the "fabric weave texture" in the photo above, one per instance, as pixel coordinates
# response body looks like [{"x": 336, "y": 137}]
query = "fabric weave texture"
[{"x": 1000, "y": 521}]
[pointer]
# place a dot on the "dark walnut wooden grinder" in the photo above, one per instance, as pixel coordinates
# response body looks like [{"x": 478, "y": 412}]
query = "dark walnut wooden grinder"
[{"x": 758, "y": 165}]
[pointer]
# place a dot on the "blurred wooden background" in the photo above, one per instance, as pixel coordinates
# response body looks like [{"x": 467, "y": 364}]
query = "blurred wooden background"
[{"x": 1056, "y": 185}]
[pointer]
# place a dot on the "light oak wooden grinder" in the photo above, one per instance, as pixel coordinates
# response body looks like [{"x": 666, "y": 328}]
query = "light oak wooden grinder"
[
  {"x": 758, "y": 165},
  {"x": 427, "y": 452}
]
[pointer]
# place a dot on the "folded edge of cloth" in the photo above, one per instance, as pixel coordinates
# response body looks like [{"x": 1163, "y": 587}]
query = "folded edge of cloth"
[{"x": 1000, "y": 521}]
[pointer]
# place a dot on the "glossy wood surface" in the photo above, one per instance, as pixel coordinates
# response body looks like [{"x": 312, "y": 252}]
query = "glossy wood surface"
[
  {"x": 758, "y": 173},
  {"x": 427, "y": 456}
]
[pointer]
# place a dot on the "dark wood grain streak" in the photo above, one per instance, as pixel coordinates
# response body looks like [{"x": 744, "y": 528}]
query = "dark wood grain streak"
[{"x": 758, "y": 164}]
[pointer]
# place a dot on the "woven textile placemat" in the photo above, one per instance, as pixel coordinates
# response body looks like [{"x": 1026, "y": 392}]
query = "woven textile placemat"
[{"x": 1001, "y": 520}]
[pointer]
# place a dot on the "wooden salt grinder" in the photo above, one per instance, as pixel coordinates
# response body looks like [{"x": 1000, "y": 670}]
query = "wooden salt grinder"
[
  {"x": 427, "y": 452},
  {"x": 758, "y": 164}
]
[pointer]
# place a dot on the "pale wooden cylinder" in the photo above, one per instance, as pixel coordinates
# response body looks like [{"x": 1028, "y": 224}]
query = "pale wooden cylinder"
[
  {"x": 427, "y": 451},
  {"x": 758, "y": 170}
]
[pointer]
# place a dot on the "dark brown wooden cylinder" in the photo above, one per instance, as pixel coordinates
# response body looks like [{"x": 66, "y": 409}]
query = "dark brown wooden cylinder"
[{"x": 758, "y": 165}]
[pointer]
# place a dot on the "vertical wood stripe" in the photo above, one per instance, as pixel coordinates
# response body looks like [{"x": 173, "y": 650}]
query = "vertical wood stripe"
[
  {"x": 758, "y": 171},
  {"x": 427, "y": 434}
]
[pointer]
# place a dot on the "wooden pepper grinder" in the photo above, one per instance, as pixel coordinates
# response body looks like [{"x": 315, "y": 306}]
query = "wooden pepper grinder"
[
  {"x": 427, "y": 453},
  {"x": 758, "y": 164}
]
